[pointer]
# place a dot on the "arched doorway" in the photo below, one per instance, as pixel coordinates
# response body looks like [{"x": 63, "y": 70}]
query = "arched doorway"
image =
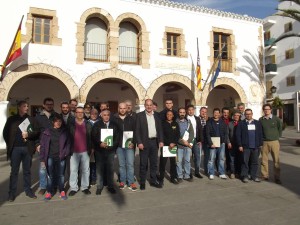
[
  {"x": 222, "y": 96},
  {"x": 179, "y": 93},
  {"x": 34, "y": 88},
  {"x": 113, "y": 91}
]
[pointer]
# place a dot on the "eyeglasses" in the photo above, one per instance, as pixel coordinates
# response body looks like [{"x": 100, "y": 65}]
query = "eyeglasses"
[{"x": 267, "y": 109}]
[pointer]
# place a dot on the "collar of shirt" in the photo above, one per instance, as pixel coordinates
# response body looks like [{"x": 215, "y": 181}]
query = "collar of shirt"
[
  {"x": 249, "y": 121},
  {"x": 149, "y": 114},
  {"x": 268, "y": 117}
]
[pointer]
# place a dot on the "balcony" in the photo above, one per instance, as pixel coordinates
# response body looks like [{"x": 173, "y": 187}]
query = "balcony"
[
  {"x": 269, "y": 42},
  {"x": 129, "y": 55},
  {"x": 268, "y": 23},
  {"x": 271, "y": 69},
  {"x": 95, "y": 52}
]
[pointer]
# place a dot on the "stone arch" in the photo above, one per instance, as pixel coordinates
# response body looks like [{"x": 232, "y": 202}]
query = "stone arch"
[
  {"x": 144, "y": 41},
  {"x": 177, "y": 78},
  {"x": 225, "y": 81},
  {"x": 41, "y": 68},
  {"x": 92, "y": 12},
  {"x": 91, "y": 80}
]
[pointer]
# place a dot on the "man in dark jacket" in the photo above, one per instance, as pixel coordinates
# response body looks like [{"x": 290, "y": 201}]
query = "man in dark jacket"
[
  {"x": 249, "y": 138},
  {"x": 20, "y": 148},
  {"x": 125, "y": 150},
  {"x": 149, "y": 138},
  {"x": 105, "y": 147},
  {"x": 80, "y": 133},
  {"x": 168, "y": 106},
  {"x": 217, "y": 137}
]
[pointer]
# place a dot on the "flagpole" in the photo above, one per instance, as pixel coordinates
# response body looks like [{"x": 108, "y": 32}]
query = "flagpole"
[
  {"x": 11, "y": 47},
  {"x": 212, "y": 68}
]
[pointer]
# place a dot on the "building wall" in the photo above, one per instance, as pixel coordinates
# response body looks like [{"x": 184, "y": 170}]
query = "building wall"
[{"x": 155, "y": 18}]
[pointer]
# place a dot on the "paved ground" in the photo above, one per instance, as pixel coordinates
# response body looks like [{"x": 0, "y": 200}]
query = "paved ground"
[{"x": 200, "y": 202}]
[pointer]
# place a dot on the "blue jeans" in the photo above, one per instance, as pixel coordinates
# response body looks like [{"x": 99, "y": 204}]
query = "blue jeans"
[
  {"x": 20, "y": 154},
  {"x": 126, "y": 165},
  {"x": 43, "y": 177},
  {"x": 183, "y": 157},
  {"x": 56, "y": 171},
  {"x": 83, "y": 160},
  {"x": 197, "y": 156},
  {"x": 220, "y": 152}
]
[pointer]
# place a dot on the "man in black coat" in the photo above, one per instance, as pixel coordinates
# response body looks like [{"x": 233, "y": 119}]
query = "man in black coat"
[
  {"x": 249, "y": 138},
  {"x": 149, "y": 138},
  {"x": 20, "y": 148}
]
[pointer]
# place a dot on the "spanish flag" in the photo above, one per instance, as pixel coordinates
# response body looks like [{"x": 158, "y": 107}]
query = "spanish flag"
[
  {"x": 198, "y": 69},
  {"x": 15, "y": 50}
]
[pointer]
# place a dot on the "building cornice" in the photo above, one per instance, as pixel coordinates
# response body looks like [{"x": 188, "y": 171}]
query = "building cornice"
[{"x": 201, "y": 9}]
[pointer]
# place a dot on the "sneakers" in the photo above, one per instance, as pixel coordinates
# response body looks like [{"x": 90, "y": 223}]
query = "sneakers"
[
  {"x": 122, "y": 186},
  {"x": 211, "y": 177},
  {"x": 223, "y": 176},
  {"x": 132, "y": 187},
  {"x": 63, "y": 195},
  {"x": 48, "y": 196}
]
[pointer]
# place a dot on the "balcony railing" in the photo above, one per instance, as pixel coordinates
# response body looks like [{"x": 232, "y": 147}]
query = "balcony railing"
[
  {"x": 271, "y": 68},
  {"x": 128, "y": 55},
  {"x": 269, "y": 42},
  {"x": 94, "y": 51}
]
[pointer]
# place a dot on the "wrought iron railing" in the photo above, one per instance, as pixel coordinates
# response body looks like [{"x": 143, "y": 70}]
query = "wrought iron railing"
[
  {"x": 95, "y": 51},
  {"x": 128, "y": 55}
]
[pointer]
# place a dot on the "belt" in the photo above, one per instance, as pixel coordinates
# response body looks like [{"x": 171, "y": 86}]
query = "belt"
[{"x": 153, "y": 138}]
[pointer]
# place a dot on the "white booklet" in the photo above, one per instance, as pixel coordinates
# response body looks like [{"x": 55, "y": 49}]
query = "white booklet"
[
  {"x": 167, "y": 152},
  {"x": 216, "y": 141},
  {"x": 186, "y": 136},
  {"x": 107, "y": 136},
  {"x": 127, "y": 138},
  {"x": 25, "y": 125}
]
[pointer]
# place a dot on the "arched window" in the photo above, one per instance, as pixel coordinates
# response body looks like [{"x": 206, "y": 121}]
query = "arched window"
[
  {"x": 95, "y": 45},
  {"x": 128, "y": 43}
]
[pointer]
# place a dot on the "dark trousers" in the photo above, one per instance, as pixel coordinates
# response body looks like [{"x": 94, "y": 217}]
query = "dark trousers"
[
  {"x": 20, "y": 154},
  {"x": 150, "y": 152},
  {"x": 231, "y": 159},
  {"x": 56, "y": 174},
  {"x": 105, "y": 166},
  {"x": 252, "y": 155},
  {"x": 162, "y": 167},
  {"x": 93, "y": 175}
]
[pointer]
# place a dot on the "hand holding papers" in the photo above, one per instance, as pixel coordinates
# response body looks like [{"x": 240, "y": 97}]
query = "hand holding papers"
[
  {"x": 25, "y": 127},
  {"x": 167, "y": 152},
  {"x": 216, "y": 141},
  {"x": 127, "y": 139}
]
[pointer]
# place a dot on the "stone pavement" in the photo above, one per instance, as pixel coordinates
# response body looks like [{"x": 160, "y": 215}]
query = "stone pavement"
[{"x": 201, "y": 202}]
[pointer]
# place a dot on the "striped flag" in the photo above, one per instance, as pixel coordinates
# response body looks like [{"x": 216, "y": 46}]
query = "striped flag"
[
  {"x": 198, "y": 69},
  {"x": 15, "y": 50},
  {"x": 216, "y": 74}
]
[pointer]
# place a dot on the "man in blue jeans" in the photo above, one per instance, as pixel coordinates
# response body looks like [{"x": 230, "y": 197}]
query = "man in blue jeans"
[
  {"x": 217, "y": 137},
  {"x": 184, "y": 150},
  {"x": 125, "y": 150}
]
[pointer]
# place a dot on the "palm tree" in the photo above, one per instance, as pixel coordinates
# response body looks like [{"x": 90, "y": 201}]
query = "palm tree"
[{"x": 291, "y": 13}]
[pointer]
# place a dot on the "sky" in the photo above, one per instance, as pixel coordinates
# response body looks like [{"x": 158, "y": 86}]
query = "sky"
[{"x": 255, "y": 8}]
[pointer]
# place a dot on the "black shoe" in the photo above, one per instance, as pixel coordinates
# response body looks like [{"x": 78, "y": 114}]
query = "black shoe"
[
  {"x": 30, "y": 194},
  {"x": 92, "y": 183},
  {"x": 72, "y": 193},
  {"x": 156, "y": 184},
  {"x": 189, "y": 179},
  {"x": 278, "y": 181},
  {"x": 142, "y": 186},
  {"x": 198, "y": 175},
  {"x": 180, "y": 180},
  {"x": 265, "y": 178},
  {"x": 111, "y": 190},
  {"x": 42, "y": 191},
  {"x": 86, "y": 191},
  {"x": 191, "y": 176},
  {"x": 99, "y": 191},
  {"x": 11, "y": 198},
  {"x": 174, "y": 181}
]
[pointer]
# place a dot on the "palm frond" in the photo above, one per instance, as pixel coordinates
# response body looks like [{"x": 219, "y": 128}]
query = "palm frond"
[
  {"x": 295, "y": 1},
  {"x": 284, "y": 36}
]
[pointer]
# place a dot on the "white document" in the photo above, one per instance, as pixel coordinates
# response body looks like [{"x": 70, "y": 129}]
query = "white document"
[
  {"x": 107, "y": 136},
  {"x": 186, "y": 136},
  {"x": 24, "y": 125},
  {"x": 251, "y": 127},
  {"x": 127, "y": 138},
  {"x": 216, "y": 141},
  {"x": 167, "y": 152}
]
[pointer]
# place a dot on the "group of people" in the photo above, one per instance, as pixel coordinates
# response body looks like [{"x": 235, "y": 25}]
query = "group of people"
[{"x": 86, "y": 138}]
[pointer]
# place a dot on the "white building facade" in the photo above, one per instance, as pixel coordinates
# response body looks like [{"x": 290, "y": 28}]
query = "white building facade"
[
  {"x": 282, "y": 63},
  {"x": 113, "y": 50}
]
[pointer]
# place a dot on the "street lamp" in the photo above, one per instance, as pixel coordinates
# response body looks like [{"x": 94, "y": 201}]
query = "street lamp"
[{"x": 273, "y": 89}]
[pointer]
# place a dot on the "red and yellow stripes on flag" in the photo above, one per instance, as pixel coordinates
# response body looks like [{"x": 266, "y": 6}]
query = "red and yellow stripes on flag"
[
  {"x": 198, "y": 69},
  {"x": 15, "y": 50}
]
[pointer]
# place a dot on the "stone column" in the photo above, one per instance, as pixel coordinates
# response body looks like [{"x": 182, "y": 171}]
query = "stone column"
[
  {"x": 197, "y": 110},
  {"x": 3, "y": 116}
]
